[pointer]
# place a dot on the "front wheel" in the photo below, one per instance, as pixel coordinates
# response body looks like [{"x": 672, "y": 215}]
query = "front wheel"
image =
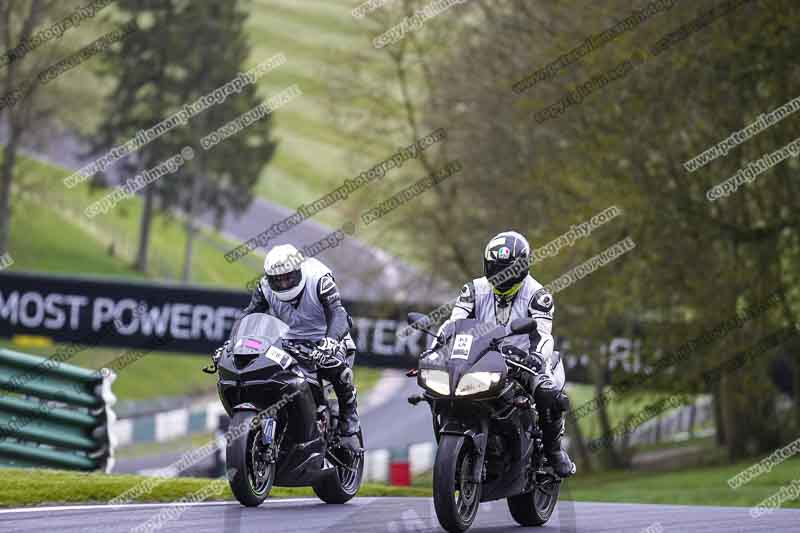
[
  {"x": 250, "y": 474},
  {"x": 455, "y": 497},
  {"x": 349, "y": 467},
  {"x": 536, "y": 507}
]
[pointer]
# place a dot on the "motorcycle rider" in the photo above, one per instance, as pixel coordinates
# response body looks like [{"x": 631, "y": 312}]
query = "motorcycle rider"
[
  {"x": 302, "y": 293},
  {"x": 508, "y": 292}
]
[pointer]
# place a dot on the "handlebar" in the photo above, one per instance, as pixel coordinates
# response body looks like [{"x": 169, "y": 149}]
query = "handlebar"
[{"x": 518, "y": 365}]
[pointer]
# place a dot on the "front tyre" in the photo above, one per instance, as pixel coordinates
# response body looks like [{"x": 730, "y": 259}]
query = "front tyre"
[
  {"x": 249, "y": 474},
  {"x": 341, "y": 488},
  {"x": 535, "y": 508},
  {"x": 455, "y": 497}
]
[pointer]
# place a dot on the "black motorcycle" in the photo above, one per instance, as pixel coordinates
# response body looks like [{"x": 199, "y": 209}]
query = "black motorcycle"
[
  {"x": 485, "y": 422},
  {"x": 283, "y": 426}
]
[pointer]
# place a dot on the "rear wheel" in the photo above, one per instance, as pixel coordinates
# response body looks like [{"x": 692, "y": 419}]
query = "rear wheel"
[
  {"x": 341, "y": 488},
  {"x": 250, "y": 475},
  {"x": 455, "y": 497},
  {"x": 536, "y": 507}
]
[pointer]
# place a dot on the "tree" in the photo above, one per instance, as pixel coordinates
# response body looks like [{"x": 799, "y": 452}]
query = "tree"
[
  {"x": 624, "y": 144},
  {"x": 146, "y": 90},
  {"x": 220, "y": 179},
  {"x": 18, "y": 21},
  {"x": 175, "y": 59}
]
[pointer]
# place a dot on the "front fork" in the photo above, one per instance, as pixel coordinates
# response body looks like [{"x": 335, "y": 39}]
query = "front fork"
[
  {"x": 268, "y": 438},
  {"x": 477, "y": 436},
  {"x": 452, "y": 426}
]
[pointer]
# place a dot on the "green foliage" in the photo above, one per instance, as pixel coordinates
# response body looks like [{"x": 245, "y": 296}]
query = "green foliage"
[
  {"x": 618, "y": 410},
  {"x": 624, "y": 144}
]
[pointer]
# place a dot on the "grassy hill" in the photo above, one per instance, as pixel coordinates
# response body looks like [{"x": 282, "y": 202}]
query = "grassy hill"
[
  {"x": 50, "y": 233},
  {"x": 318, "y": 38}
]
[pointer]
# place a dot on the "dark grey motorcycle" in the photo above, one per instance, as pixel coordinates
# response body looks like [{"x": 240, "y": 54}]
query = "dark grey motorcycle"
[
  {"x": 283, "y": 426},
  {"x": 485, "y": 422}
]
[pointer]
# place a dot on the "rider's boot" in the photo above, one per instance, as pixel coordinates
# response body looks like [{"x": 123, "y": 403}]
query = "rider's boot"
[
  {"x": 349, "y": 427},
  {"x": 552, "y": 430}
]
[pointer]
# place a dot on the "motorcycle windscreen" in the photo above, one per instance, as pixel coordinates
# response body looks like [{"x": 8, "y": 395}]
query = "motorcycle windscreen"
[
  {"x": 466, "y": 336},
  {"x": 260, "y": 326}
]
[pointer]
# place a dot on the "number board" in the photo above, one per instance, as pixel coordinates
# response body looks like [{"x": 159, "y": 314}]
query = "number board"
[
  {"x": 279, "y": 356},
  {"x": 461, "y": 347}
]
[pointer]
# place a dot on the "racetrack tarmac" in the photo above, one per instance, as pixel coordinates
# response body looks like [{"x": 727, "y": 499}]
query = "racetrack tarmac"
[{"x": 392, "y": 515}]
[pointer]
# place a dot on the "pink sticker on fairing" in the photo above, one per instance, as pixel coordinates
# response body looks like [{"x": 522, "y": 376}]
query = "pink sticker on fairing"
[{"x": 252, "y": 343}]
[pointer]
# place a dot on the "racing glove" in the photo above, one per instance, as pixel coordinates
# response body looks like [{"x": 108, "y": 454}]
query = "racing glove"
[
  {"x": 537, "y": 362},
  {"x": 326, "y": 349}
]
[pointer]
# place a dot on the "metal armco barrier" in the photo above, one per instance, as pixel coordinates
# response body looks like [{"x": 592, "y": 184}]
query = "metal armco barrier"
[{"x": 55, "y": 415}]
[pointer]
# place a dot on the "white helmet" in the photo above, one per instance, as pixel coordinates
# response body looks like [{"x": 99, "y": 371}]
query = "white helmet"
[{"x": 284, "y": 273}]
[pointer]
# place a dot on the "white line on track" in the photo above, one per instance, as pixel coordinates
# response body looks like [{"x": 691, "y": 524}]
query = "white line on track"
[{"x": 149, "y": 505}]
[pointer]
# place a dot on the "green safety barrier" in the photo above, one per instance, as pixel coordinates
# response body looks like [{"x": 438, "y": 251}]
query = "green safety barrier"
[{"x": 55, "y": 415}]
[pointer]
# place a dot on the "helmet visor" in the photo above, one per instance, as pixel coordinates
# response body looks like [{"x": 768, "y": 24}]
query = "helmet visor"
[
  {"x": 284, "y": 282},
  {"x": 503, "y": 275},
  {"x": 496, "y": 271}
]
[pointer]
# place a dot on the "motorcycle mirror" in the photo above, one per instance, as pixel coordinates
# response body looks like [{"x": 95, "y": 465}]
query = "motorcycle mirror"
[
  {"x": 523, "y": 325},
  {"x": 415, "y": 320}
]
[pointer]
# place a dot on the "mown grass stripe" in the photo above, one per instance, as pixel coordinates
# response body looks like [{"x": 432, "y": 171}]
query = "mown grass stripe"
[
  {"x": 310, "y": 14},
  {"x": 288, "y": 25}
]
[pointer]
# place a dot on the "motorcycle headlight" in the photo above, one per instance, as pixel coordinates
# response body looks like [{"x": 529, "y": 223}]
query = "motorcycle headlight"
[
  {"x": 476, "y": 382},
  {"x": 436, "y": 380}
]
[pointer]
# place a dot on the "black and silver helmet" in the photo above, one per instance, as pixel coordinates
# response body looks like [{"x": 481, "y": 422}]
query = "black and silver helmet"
[{"x": 505, "y": 263}]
